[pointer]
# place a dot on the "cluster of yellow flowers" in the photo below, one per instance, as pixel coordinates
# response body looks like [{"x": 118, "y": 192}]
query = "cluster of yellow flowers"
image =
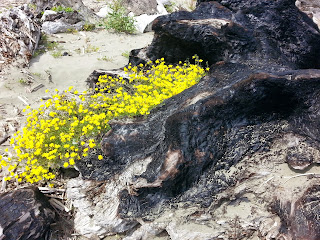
[{"x": 64, "y": 128}]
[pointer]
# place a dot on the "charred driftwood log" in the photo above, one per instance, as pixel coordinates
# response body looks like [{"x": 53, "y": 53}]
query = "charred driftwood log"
[
  {"x": 25, "y": 214},
  {"x": 236, "y": 31},
  {"x": 257, "y": 104},
  {"x": 19, "y": 36}
]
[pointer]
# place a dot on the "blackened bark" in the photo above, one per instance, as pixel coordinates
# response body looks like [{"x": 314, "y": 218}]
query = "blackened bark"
[
  {"x": 257, "y": 91},
  {"x": 25, "y": 214}
]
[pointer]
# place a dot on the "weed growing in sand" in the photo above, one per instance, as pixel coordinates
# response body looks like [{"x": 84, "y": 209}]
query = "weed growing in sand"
[
  {"x": 7, "y": 86},
  {"x": 37, "y": 74},
  {"x": 105, "y": 58},
  {"x": 118, "y": 19},
  {"x": 170, "y": 7},
  {"x": 45, "y": 45},
  {"x": 62, "y": 9},
  {"x": 51, "y": 45},
  {"x": 57, "y": 54},
  {"x": 77, "y": 50},
  {"x": 23, "y": 81},
  {"x": 90, "y": 48},
  {"x": 68, "y": 125},
  {"x": 72, "y": 30},
  {"x": 125, "y": 54},
  {"x": 88, "y": 27}
]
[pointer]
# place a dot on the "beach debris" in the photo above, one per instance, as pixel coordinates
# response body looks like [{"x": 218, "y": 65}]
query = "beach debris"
[
  {"x": 49, "y": 76},
  {"x": 62, "y": 22},
  {"x": 4, "y": 139},
  {"x": 46, "y": 98},
  {"x": 19, "y": 37},
  {"x": 24, "y": 100},
  {"x": 36, "y": 88},
  {"x": 25, "y": 214}
]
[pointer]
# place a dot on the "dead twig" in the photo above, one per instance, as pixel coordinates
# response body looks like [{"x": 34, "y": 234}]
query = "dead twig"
[
  {"x": 4, "y": 139},
  {"x": 49, "y": 76},
  {"x": 58, "y": 205},
  {"x": 299, "y": 175},
  {"x": 23, "y": 100},
  {"x": 36, "y": 88}
]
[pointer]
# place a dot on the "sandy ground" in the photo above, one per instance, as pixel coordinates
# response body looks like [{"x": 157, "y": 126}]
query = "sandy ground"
[{"x": 87, "y": 51}]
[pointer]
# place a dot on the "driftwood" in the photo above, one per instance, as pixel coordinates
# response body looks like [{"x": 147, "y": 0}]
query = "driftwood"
[
  {"x": 77, "y": 5},
  {"x": 25, "y": 214},
  {"x": 19, "y": 37},
  {"x": 4, "y": 139},
  {"x": 258, "y": 105}
]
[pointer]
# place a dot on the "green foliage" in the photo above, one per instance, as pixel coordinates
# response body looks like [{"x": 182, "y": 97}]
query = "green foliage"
[
  {"x": 23, "y": 81},
  {"x": 90, "y": 48},
  {"x": 125, "y": 54},
  {"x": 62, "y": 9},
  {"x": 170, "y": 7},
  {"x": 37, "y": 74},
  {"x": 57, "y": 53},
  {"x": 88, "y": 27},
  {"x": 118, "y": 19},
  {"x": 105, "y": 58},
  {"x": 47, "y": 46},
  {"x": 72, "y": 30}
]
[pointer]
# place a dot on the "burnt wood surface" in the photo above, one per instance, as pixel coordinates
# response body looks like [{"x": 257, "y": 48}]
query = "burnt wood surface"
[
  {"x": 25, "y": 215},
  {"x": 260, "y": 88}
]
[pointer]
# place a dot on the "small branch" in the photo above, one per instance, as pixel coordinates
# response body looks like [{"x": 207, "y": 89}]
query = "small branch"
[
  {"x": 299, "y": 175},
  {"x": 22, "y": 100},
  {"x": 50, "y": 190},
  {"x": 4, "y": 139},
  {"x": 265, "y": 182},
  {"x": 37, "y": 87},
  {"x": 49, "y": 76},
  {"x": 58, "y": 205}
]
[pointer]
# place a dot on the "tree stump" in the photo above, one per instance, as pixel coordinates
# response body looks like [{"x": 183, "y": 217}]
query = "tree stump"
[{"x": 259, "y": 103}]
